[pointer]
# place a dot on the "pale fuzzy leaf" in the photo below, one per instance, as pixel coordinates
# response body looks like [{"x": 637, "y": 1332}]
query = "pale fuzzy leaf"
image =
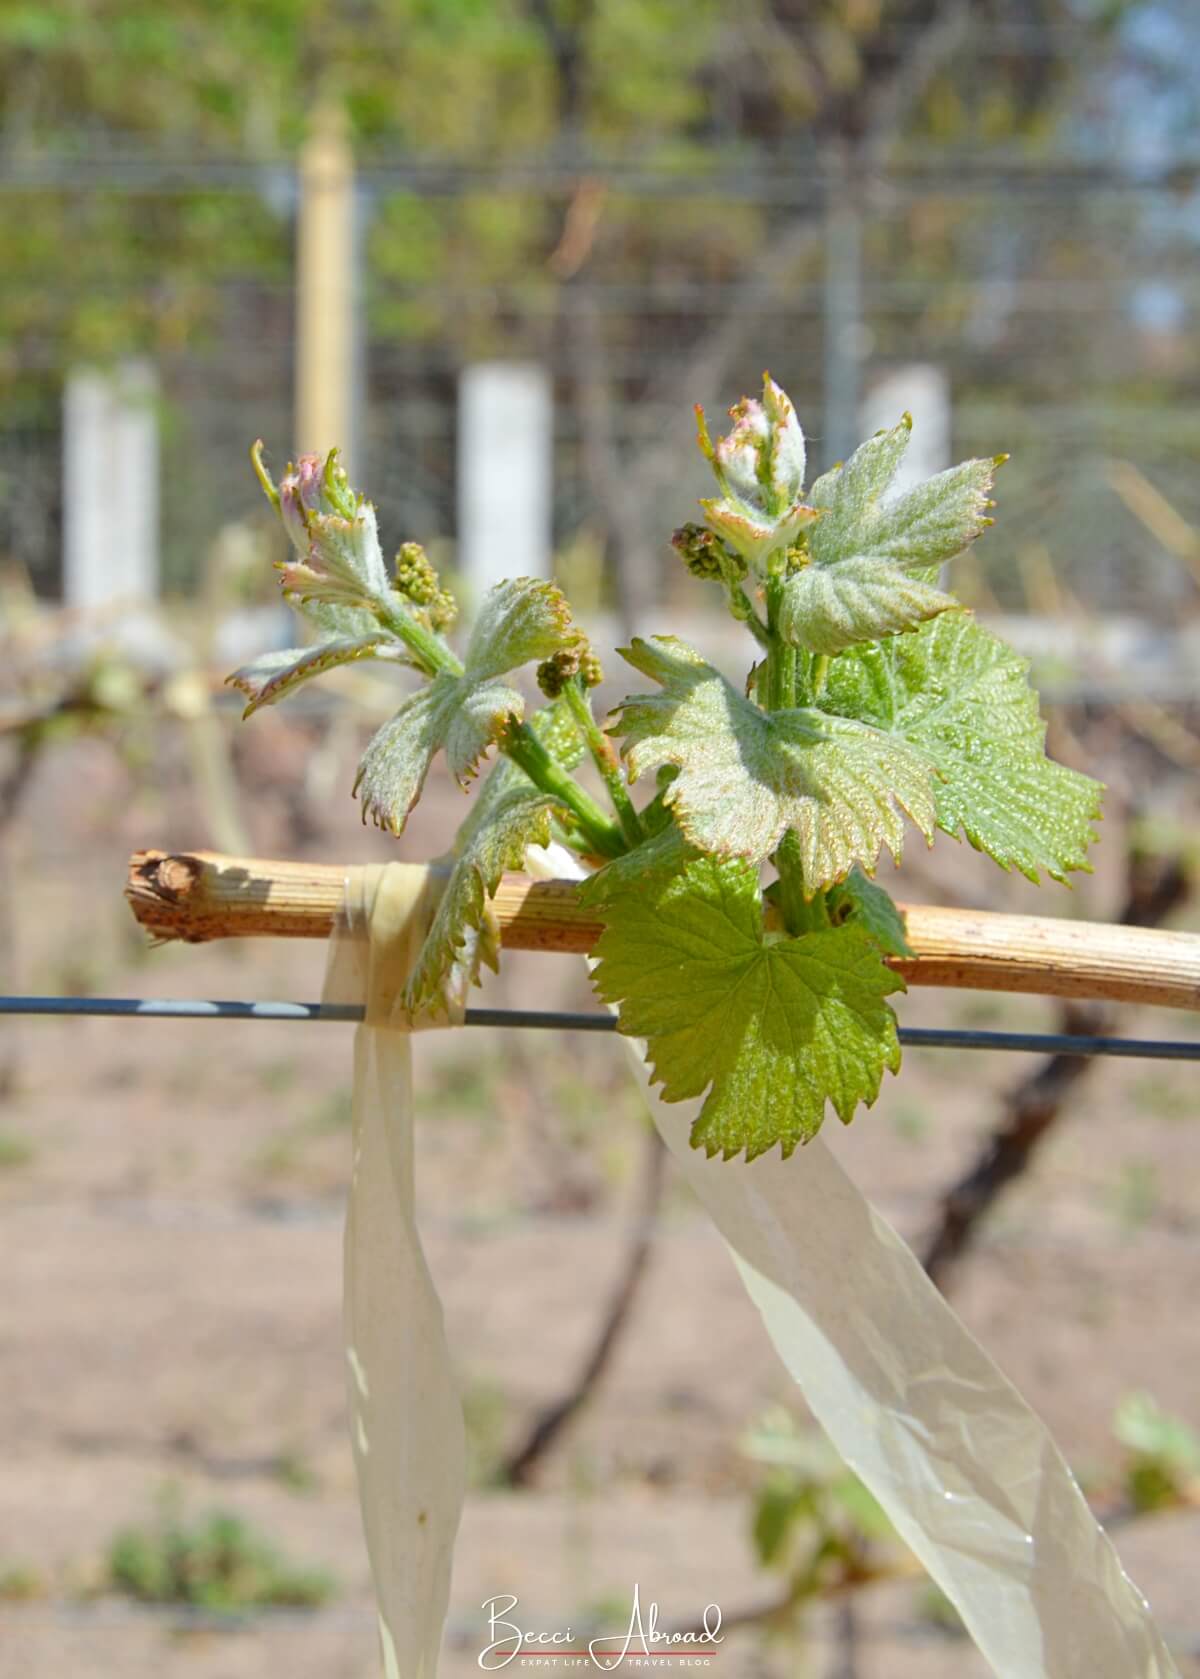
[
  {"x": 788, "y": 462},
  {"x": 344, "y": 564},
  {"x": 449, "y": 712},
  {"x": 827, "y": 608},
  {"x": 274, "y": 675},
  {"x": 961, "y": 698},
  {"x": 762, "y": 460},
  {"x": 760, "y": 467},
  {"x": 736, "y": 456},
  {"x": 926, "y": 525},
  {"x": 356, "y": 544},
  {"x": 752, "y": 533},
  {"x": 481, "y": 710},
  {"x": 848, "y": 493},
  {"x": 520, "y": 619},
  {"x": 508, "y": 814},
  {"x": 393, "y": 768},
  {"x": 936, "y": 520},
  {"x": 746, "y": 776},
  {"x": 771, "y": 1027},
  {"x": 347, "y": 623}
]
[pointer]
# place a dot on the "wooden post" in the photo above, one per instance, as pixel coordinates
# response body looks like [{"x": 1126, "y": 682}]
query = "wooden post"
[
  {"x": 198, "y": 895},
  {"x": 326, "y": 302}
]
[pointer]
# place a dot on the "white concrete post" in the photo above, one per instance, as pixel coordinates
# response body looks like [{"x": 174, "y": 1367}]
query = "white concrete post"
[
  {"x": 923, "y": 391},
  {"x": 110, "y": 486},
  {"x": 505, "y": 461}
]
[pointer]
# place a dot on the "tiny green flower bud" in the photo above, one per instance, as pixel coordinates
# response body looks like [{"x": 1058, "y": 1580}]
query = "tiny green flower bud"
[
  {"x": 443, "y": 610},
  {"x": 591, "y": 670},
  {"x": 415, "y": 578},
  {"x": 700, "y": 550},
  {"x": 554, "y": 672}
]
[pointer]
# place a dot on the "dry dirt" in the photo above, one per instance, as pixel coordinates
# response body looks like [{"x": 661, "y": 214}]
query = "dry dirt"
[{"x": 170, "y": 1200}]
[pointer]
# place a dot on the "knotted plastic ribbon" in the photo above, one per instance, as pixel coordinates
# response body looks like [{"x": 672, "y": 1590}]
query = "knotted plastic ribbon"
[
  {"x": 405, "y": 1411},
  {"x": 968, "y": 1474}
]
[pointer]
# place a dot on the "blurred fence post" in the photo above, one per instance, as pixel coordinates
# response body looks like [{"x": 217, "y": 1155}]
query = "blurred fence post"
[
  {"x": 922, "y": 390},
  {"x": 328, "y": 330},
  {"x": 110, "y": 486},
  {"x": 505, "y": 450},
  {"x": 843, "y": 326}
]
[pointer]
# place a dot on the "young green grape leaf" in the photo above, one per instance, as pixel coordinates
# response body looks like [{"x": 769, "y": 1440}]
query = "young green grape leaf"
[
  {"x": 863, "y": 577},
  {"x": 508, "y": 814},
  {"x": 771, "y": 1027},
  {"x": 450, "y": 714},
  {"x": 337, "y": 558},
  {"x": 935, "y": 521},
  {"x": 646, "y": 868},
  {"x": 521, "y": 619},
  {"x": 845, "y": 495},
  {"x": 555, "y": 727},
  {"x": 868, "y": 906},
  {"x": 272, "y": 676},
  {"x": 342, "y": 623},
  {"x": 746, "y": 775},
  {"x": 922, "y": 527},
  {"x": 960, "y": 698},
  {"x": 827, "y": 608}
]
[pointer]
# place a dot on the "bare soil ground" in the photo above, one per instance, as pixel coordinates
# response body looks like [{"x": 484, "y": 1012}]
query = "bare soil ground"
[{"x": 170, "y": 1201}]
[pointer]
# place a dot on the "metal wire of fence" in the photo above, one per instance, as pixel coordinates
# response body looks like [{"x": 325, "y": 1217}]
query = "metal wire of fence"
[
  {"x": 1064, "y": 337},
  {"x": 914, "y": 1037}
]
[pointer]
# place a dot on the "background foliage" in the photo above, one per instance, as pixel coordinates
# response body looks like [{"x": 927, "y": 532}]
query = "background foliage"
[{"x": 637, "y": 193}]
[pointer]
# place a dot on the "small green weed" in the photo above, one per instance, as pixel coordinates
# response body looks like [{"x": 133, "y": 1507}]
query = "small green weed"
[
  {"x": 293, "y": 1471},
  {"x": 21, "y": 1583},
  {"x": 487, "y": 1415},
  {"x": 910, "y": 1122},
  {"x": 1134, "y": 1198},
  {"x": 1162, "y": 1467},
  {"x": 1165, "y": 1097},
  {"x": 217, "y": 1563},
  {"x": 15, "y": 1150}
]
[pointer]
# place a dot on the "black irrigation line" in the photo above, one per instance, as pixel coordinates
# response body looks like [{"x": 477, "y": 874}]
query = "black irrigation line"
[{"x": 916, "y": 1037}]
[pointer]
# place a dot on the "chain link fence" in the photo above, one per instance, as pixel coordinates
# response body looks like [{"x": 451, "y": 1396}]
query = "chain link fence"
[{"x": 1060, "y": 303}]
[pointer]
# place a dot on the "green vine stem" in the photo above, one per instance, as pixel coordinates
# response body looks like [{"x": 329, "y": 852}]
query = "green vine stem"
[
  {"x": 602, "y": 834},
  {"x": 521, "y": 745},
  {"x": 799, "y": 914},
  {"x": 604, "y": 757},
  {"x": 741, "y": 608},
  {"x": 431, "y": 651}
]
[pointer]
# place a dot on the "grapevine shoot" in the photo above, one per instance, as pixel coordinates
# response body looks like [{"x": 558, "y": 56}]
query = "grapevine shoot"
[{"x": 875, "y": 701}]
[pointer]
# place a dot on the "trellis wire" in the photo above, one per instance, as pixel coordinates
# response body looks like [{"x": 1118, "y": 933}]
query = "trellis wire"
[{"x": 915, "y": 1037}]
